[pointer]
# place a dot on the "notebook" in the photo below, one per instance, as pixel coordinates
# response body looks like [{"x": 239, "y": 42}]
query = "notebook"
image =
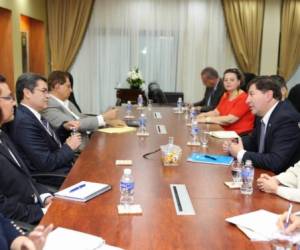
[
  {"x": 210, "y": 159},
  {"x": 83, "y": 191}
]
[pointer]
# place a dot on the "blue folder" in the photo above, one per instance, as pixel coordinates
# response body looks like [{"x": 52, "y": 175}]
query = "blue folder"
[{"x": 210, "y": 159}]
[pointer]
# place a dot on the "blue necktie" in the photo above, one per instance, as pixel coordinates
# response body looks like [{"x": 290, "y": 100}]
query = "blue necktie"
[{"x": 262, "y": 137}]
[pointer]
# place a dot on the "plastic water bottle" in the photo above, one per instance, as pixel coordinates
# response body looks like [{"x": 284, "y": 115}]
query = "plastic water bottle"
[
  {"x": 127, "y": 188},
  {"x": 195, "y": 131},
  {"x": 247, "y": 178},
  {"x": 129, "y": 108},
  {"x": 193, "y": 114},
  {"x": 179, "y": 105},
  {"x": 142, "y": 124},
  {"x": 140, "y": 101}
]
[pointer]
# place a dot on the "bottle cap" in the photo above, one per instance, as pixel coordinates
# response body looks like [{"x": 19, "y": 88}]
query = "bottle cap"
[
  {"x": 127, "y": 171},
  {"x": 248, "y": 162}
]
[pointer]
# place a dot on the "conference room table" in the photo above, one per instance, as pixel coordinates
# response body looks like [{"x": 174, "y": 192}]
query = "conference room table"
[{"x": 159, "y": 227}]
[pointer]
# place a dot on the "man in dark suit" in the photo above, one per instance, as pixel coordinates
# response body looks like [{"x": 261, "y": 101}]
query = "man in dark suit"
[
  {"x": 213, "y": 92},
  {"x": 37, "y": 142},
  {"x": 274, "y": 143},
  {"x": 20, "y": 197}
]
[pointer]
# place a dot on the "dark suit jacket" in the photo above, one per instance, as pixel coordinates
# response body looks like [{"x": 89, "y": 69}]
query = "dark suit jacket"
[
  {"x": 214, "y": 100},
  {"x": 282, "y": 140},
  {"x": 8, "y": 233},
  {"x": 16, "y": 191},
  {"x": 37, "y": 148}
]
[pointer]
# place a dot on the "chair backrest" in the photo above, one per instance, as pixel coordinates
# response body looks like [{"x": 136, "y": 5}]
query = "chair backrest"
[
  {"x": 73, "y": 100},
  {"x": 248, "y": 77},
  {"x": 156, "y": 94},
  {"x": 294, "y": 96}
]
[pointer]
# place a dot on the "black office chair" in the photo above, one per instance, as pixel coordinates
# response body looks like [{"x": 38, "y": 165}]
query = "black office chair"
[
  {"x": 72, "y": 97},
  {"x": 42, "y": 178},
  {"x": 165, "y": 98},
  {"x": 248, "y": 78},
  {"x": 294, "y": 96},
  {"x": 156, "y": 94}
]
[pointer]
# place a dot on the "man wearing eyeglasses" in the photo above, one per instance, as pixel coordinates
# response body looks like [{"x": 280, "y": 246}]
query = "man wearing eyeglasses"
[
  {"x": 40, "y": 146},
  {"x": 20, "y": 197}
]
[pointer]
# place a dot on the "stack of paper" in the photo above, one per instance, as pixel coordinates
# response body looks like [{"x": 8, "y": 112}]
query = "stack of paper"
[
  {"x": 83, "y": 191},
  {"x": 261, "y": 225},
  {"x": 117, "y": 130},
  {"x": 224, "y": 134},
  {"x": 62, "y": 238}
]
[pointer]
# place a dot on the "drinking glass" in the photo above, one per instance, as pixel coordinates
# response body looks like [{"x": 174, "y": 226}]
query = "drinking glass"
[
  {"x": 150, "y": 104},
  {"x": 236, "y": 170},
  {"x": 278, "y": 244},
  {"x": 204, "y": 130}
]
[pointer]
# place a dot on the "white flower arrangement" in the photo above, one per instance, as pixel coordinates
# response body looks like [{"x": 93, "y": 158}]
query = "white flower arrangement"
[{"x": 135, "y": 78}]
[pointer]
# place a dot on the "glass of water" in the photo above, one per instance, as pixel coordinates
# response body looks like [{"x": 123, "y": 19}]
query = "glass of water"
[
  {"x": 204, "y": 133},
  {"x": 280, "y": 244},
  {"x": 74, "y": 131},
  {"x": 236, "y": 172},
  {"x": 150, "y": 104}
]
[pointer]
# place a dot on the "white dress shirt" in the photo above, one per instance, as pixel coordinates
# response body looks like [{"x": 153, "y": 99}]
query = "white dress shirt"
[{"x": 38, "y": 116}]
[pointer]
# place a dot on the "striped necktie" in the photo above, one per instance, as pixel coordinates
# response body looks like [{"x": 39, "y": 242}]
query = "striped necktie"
[{"x": 50, "y": 131}]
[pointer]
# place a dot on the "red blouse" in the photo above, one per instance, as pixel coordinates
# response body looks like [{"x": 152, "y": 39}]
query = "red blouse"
[{"x": 238, "y": 108}]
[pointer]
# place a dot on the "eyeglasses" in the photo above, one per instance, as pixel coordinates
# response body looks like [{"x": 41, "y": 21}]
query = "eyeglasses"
[
  {"x": 8, "y": 98},
  {"x": 44, "y": 91}
]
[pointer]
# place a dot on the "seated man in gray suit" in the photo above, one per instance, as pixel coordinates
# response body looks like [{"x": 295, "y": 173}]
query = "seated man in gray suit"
[{"x": 60, "y": 109}]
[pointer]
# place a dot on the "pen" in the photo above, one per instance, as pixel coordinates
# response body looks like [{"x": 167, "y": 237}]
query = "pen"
[
  {"x": 287, "y": 220},
  {"x": 76, "y": 188},
  {"x": 210, "y": 157}
]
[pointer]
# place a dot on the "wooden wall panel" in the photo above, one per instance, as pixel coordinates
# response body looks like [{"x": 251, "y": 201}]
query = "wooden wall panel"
[
  {"x": 37, "y": 46},
  {"x": 6, "y": 52}
]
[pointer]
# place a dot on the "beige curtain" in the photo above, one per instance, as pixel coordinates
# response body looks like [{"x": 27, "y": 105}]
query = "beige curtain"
[
  {"x": 289, "y": 57},
  {"x": 67, "y": 22},
  {"x": 244, "y": 21}
]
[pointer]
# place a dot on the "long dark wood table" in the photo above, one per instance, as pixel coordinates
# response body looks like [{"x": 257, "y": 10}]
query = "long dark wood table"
[{"x": 159, "y": 227}]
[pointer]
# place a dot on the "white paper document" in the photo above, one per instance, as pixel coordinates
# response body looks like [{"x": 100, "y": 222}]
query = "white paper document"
[
  {"x": 63, "y": 238},
  {"x": 83, "y": 191},
  {"x": 224, "y": 134},
  {"x": 261, "y": 225}
]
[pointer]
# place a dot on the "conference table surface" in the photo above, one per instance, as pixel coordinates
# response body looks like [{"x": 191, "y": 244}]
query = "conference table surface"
[{"x": 159, "y": 227}]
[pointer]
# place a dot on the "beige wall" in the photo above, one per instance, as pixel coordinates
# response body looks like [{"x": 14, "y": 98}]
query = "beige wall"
[
  {"x": 33, "y": 8},
  {"x": 270, "y": 37}
]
